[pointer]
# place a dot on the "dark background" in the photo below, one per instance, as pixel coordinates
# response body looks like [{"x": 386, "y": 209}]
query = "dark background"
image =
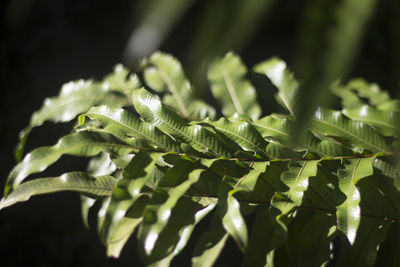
[{"x": 45, "y": 43}]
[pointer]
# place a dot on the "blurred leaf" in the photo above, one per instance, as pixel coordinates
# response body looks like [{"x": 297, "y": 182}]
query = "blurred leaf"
[
  {"x": 330, "y": 36},
  {"x": 389, "y": 250},
  {"x": 277, "y": 71},
  {"x": 308, "y": 239},
  {"x": 227, "y": 78},
  {"x": 165, "y": 74},
  {"x": 353, "y": 133},
  {"x": 86, "y": 204},
  {"x": 267, "y": 234},
  {"x": 386, "y": 122},
  {"x": 157, "y": 17}
]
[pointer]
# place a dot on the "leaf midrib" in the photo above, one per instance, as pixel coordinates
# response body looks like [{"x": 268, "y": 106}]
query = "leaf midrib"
[
  {"x": 262, "y": 152},
  {"x": 295, "y": 181},
  {"x": 174, "y": 92},
  {"x": 350, "y": 134},
  {"x": 232, "y": 92},
  {"x": 130, "y": 128},
  {"x": 311, "y": 148}
]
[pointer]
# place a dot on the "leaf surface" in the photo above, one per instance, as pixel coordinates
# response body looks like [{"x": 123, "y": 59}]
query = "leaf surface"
[
  {"x": 349, "y": 213},
  {"x": 74, "y": 181},
  {"x": 277, "y": 71},
  {"x": 166, "y": 74},
  {"x": 201, "y": 139},
  {"x": 127, "y": 123},
  {"x": 231, "y": 89},
  {"x": 355, "y": 133},
  {"x": 78, "y": 144}
]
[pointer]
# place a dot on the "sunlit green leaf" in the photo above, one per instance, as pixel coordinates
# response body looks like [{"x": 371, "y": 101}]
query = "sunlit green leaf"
[
  {"x": 349, "y": 213},
  {"x": 386, "y": 122},
  {"x": 201, "y": 139},
  {"x": 74, "y": 181},
  {"x": 354, "y": 133},
  {"x": 79, "y": 144}
]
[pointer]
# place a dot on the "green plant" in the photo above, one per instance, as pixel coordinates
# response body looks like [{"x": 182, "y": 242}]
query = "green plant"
[{"x": 324, "y": 193}]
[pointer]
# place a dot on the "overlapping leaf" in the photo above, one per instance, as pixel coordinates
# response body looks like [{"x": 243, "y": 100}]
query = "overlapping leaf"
[
  {"x": 244, "y": 134},
  {"x": 201, "y": 139},
  {"x": 282, "y": 129},
  {"x": 296, "y": 178},
  {"x": 78, "y": 144},
  {"x": 127, "y": 123},
  {"x": 163, "y": 174}
]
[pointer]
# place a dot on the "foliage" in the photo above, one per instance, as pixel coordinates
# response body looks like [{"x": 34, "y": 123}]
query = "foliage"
[{"x": 325, "y": 194}]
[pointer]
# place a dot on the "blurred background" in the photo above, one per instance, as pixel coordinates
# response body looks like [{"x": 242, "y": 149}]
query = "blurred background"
[{"x": 45, "y": 43}]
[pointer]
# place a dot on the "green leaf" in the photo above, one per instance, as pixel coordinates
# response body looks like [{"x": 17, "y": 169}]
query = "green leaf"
[
  {"x": 210, "y": 245},
  {"x": 128, "y": 124},
  {"x": 349, "y": 99},
  {"x": 386, "y": 122},
  {"x": 86, "y": 204},
  {"x": 354, "y": 133},
  {"x": 392, "y": 105},
  {"x": 267, "y": 234},
  {"x": 260, "y": 184},
  {"x": 323, "y": 191},
  {"x": 234, "y": 223},
  {"x": 282, "y": 130},
  {"x": 244, "y": 134},
  {"x": 349, "y": 213},
  {"x": 126, "y": 227},
  {"x": 101, "y": 165},
  {"x": 201, "y": 139},
  {"x": 120, "y": 81},
  {"x": 374, "y": 224},
  {"x": 277, "y": 71},
  {"x": 296, "y": 178},
  {"x": 308, "y": 239},
  {"x": 128, "y": 191},
  {"x": 231, "y": 89},
  {"x": 74, "y": 98},
  {"x": 166, "y": 74},
  {"x": 78, "y": 144},
  {"x": 186, "y": 214},
  {"x": 211, "y": 242},
  {"x": 370, "y": 91},
  {"x": 74, "y": 181},
  {"x": 170, "y": 189},
  {"x": 389, "y": 250}
]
